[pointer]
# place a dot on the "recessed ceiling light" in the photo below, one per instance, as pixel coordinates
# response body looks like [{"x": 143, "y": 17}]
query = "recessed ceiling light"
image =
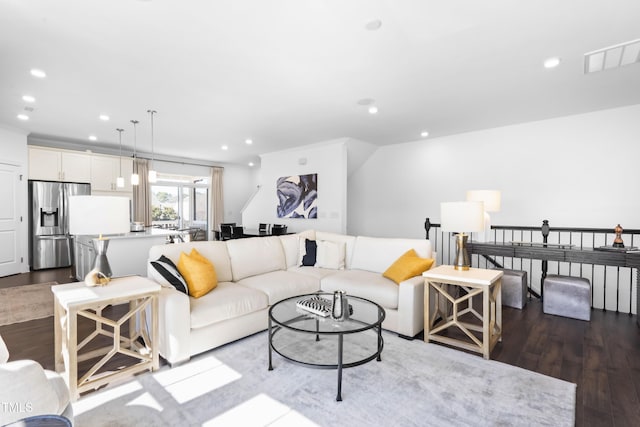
[
  {"x": 373, "y": 110},
  {"x": 248, "y": 141},
  {"x": 93, "y": 138},
  {"x": 23, "y": 117},
  {"x": 104, "y": 117},
  {"x": 552, "y": 62},
  {"x": 225, "y": 147},
  {"x": 38, "y": 73},
  {"x": 373, "y": 25},
  {"x": 424, "y": 134},
  {"x": 28, "y": 98},
  {"x": 250, "y": 164}
]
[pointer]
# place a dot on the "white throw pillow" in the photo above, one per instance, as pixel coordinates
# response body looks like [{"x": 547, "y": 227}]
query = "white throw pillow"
[{"x": 330, "y": 254}]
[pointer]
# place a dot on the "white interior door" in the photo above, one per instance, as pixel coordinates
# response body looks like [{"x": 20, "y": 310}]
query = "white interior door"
[{"x": 9, "y": 221}]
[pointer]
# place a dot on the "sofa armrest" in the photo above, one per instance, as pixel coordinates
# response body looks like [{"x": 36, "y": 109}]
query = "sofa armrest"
[
  {"x": 411, "y": 306},
  {"x": 174, "y": 326}
]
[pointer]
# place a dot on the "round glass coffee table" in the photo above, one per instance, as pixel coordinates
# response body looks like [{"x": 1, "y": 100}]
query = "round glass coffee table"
[{"x": 323, "y": 342}]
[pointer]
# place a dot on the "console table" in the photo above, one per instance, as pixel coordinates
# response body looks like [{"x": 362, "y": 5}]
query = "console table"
[
  {"x": 76, "y": 299},
  {"x": 561, "y": 253}
]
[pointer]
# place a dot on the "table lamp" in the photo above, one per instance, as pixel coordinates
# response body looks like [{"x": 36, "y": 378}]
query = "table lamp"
[
  {"x": 460, "y": 218},
  {"x": 491, "y": 200},
  {"x": 91, "y": 215}
]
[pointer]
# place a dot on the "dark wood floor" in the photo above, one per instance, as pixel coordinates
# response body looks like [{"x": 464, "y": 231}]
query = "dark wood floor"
[{"x": 602, "y": 356}]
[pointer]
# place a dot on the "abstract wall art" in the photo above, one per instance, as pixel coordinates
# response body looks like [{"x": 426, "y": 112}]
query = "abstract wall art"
[{"x": 298, "y": 196}]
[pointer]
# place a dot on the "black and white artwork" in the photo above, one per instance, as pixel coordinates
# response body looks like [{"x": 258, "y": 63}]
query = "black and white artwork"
[{"x": 298, "y": 196}]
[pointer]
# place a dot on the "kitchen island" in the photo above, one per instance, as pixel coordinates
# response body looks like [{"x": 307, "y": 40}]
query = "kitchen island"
[{"x": 127, "y": 252}]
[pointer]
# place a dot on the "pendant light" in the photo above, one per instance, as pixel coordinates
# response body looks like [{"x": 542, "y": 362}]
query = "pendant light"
[
  {"x": 135, "y": 179},
  {"x": 153, "y": 176},
  {"x": 120, "y": 179}
]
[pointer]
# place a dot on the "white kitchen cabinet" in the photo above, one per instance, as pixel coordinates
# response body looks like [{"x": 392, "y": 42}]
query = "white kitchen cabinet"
[
  {"x": 56, "y": 165},
  {"x": 105, "y": 171}
]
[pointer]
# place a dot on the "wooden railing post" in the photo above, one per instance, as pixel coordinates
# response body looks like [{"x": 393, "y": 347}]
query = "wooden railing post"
[
  {"x": 545, "y": 264},
  {"x": 427, "y": 227}
]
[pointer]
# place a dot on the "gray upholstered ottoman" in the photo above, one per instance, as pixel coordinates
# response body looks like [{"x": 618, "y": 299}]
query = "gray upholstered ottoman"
[
  {"x": 514, "y": 288},
  {"x": 567, "y": 296}
]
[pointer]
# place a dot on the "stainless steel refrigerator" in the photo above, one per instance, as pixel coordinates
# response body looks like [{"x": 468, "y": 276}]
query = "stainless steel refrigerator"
[{"x": 50, "y": 245}]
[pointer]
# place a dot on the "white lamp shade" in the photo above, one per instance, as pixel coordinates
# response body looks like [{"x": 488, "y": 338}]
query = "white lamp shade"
[
  {"x": 462, "y": 217},
  {"x": 491, "y": 199},
  {"x": 120, "y": 182},
  {"x": 135, "y": 179},
  {"x": 98, "y": 215}
]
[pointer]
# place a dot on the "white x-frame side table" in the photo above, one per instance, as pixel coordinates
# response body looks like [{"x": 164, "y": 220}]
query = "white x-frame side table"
[
  {"x": 448, "y": 308},
  {"x": 76, "y": 299}
]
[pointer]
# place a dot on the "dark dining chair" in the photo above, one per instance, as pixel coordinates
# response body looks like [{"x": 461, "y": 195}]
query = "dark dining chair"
[
  {"x": 278, "y": 229},
  {"x": 226, "y": 230},
  {"x": 263, "y": 228},
  {"x": 237, "y": 232}
]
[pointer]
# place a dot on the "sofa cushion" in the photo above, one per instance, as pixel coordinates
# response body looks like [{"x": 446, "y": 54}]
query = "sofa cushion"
[
  {"x": 214, "y": 251},
  {"x": 290, "y": 243},
  {"x": 377, "y": 254},
  {"x": 198, "y": 272},
  {"x": 308, "y": 252},
  {"x": 228, "y": 301},
  {"x": 256, "y": 255},
  {"x": 330, "y": 254},
  {"x": 408, "y": 265},
  {"x": 279, "y": 285},
  {"x": 349, "y": 242},
  {"x": 166, "y": 273},
  {"x": 316, "y": 272},
  {"x": 364, "y": 284}
]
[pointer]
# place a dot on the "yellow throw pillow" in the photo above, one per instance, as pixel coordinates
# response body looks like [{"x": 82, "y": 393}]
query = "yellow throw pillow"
[
  {"x": 198, "y": 272},
  {"x": 407, "y": 266}
]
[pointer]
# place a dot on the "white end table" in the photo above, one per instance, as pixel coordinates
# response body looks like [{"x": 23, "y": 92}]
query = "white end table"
[
  {"x": 448, "y": 309},
  {"x": 77, "y": 299}
]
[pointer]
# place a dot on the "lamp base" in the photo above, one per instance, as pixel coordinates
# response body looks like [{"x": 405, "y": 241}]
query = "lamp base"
[
  {"x": 461, "y": 261},
  {"x": 101, "y": 263}
]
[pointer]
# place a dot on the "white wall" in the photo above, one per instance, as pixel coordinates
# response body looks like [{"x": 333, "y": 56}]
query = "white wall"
[
  {"x": 575, "y": 171},
  {"x": 329, "y": 161},
  {"x": 239, "y": 183},
  {"x": 13, "y": 150}
]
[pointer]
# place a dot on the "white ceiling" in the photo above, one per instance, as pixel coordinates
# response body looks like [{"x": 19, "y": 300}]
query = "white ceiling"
[{"x": 290, "y": 72}]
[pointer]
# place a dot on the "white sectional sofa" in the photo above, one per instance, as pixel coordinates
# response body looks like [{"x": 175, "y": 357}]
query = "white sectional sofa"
[{"x": 255, "y": 273}]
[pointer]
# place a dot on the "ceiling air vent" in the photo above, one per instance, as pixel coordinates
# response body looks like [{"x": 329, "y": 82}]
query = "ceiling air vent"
[{"x": 612, "y": 57}]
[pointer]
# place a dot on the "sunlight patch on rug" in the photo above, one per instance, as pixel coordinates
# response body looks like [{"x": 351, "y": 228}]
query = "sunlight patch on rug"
[
  {"x": 260, "y": 410},
  {"x": 104, "y": 397},
  {"x": 187, "y": 382}
]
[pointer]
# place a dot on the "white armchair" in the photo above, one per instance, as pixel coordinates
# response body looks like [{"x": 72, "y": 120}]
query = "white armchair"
[{"x": 26, "y": 389}]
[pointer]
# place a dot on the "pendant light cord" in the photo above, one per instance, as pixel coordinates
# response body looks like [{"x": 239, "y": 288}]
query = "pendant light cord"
[
  {"x": 151, "y": 113},
  {"x": 135, "y": 137},
  {"x": 120, "y": 138}
]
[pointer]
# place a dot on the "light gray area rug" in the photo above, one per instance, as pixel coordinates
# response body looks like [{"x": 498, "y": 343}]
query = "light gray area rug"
[
  {"x": 415, "y": 384},
  {"x": 26, "y": 302}
]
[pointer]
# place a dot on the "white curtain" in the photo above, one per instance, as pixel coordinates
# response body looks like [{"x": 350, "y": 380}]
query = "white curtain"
[{"x": 216, "y": 197}]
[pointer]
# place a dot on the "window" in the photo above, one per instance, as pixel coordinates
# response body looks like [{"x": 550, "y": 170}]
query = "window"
[{"x": 180, "y": 202}]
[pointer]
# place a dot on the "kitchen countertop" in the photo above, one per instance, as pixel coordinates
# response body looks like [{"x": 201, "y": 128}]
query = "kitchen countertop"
[{"x": 148, "y": 232}]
